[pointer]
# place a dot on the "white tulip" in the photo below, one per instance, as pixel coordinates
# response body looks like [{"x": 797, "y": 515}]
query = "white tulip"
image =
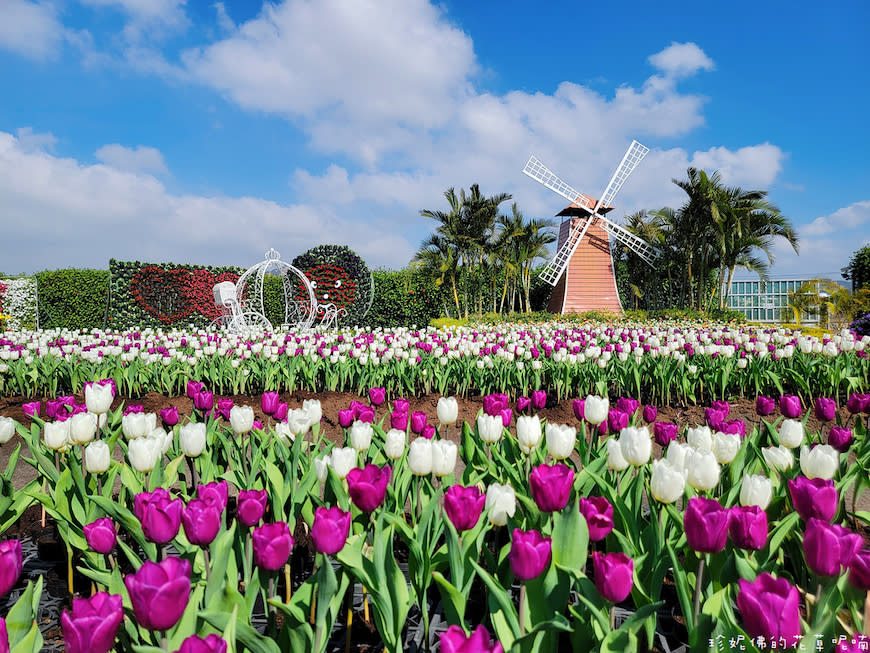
[
  {"x": 361, "y": 435},
  {"x": 150, "y": 422},
  {"x": 636, "y": 445},
  {"x": 298, "y": 421},
  {"x": 314, "y": 411},
  {"x": 164, "y": 438},
  {"x": 97, "y": 457},
  {"x": 529, "y": 432},
  {"x": 615, "y": 460},
  {"x": 420, "y": 457},
  {"x": 191, "y": 436},
  {"x": 595, "y": 409},
  {"x": 321, "y": 467},
  {"x": 779, "y": 458},
  {"x": 7, "y": 429},
  {"x": 822, "y": 461},
  {"x": 447, "y": 410},
  {"x": 57, "y": 435},
  {"x": 241, "y": 419},
  {"x": 791, "y": 433},
  {"x": 756, "y": 490},
  {"x": 394, "y": 444},
  {"x": 501, "y": 503},
  {"x": 82, "y": 427},
  {"x": 703, "y": 470},
  {"x": 444, "y": 453},
  {"x": 490, "y": 428},
  {"x": 343, "y": 459},
  {"x": 284, "y": 433},
  {"x": 725, "y": 446},
  {"x": 98, "y": 398},
  {"x": 678, "y": 453},
  {"x": 668, "y": 482},
  {"x": 144, "y": 453},
  {"x": 700, "y": 437},
  {"x": 134, "y": 425},
  {"x": 561, "y": 439}
]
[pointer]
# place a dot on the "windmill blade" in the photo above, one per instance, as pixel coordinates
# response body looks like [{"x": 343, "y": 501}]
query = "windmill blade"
[
  {"x": 556, "y": 267},
  {"x": 542, "y": 174},
  {"x": 637, "y": 245},
  {"x": 634, "y": 155}
]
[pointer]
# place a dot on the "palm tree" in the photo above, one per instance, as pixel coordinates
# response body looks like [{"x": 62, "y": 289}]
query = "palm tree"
[
  {"x": 437, "y": 260},
  {"x": 532, "y": 245}
]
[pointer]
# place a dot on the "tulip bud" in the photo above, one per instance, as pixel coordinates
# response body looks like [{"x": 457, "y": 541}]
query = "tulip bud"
[
  {"x": 201, "y": 521},
  {"x": 193, "y": 387},
  {"x": 11, "y": 564},
  {"x": 764, "y": 406},
  {"x": 83, "y": 427},
  {"x": 463, "y": 506},
  {"x": 209, "y": 644},
  {"x": 490, "y": 428},
  {"x": 361, "y": 435},
  {"x": 345, "y": 417},
  {"x": 447, "y": 410},
  {"x": 501, "y": 503},
  {"x": 530, "y": 554},
  {"x": 444, "y": 453},
  {"x": 159, "y": 592},
  {"x": 342, "y": 461},
  {"x": 420, "y": 457},
  {"x": 269, "y": 402},
  {"x": 523, "y": 404},
  {"x": 617, "y": 420},
  {"x": 678, "y": 455},
  {"x": 595, "y": 409},
  {"x": 97, "y": 457},
  {"x": 330, "y": 529},
  {"x": 822, "y": 461},
  {"x": 560, "y": 440},
  {"x": 791, "y": 433},
  {"x": 829, "y": 547},
  {"x": 98, "y": 398},
  {"x": 756, "y": 490},
  {"x": 529, "y": 433},
  {"x": 241, "y": 419},
  {"x": 143, "y": 453},
  {"x": 215, "y": 493},
  {"x": 394, "y": 444},
  {"x": 664, "y": 432},
  {"x": 57, "y": 435},
  {"x": 770, "y": 608},
  {"x": 668, "y": 482},
  {"x": 613, "y": 575},
  {"x": 367, "y": 487},
  {"x": 7, "y": 429},
  {"x": 418, "y": 421},
  {"x": 454, "y": 640},
  {"x": 790, "y": 406},
  {"x": 598, "y": 513},
  {"x": 840, "y": 438},
  {"x": 101, "y": 535},
  {"x": 192, "y": 436},
  {"x": 703, "y": 470},
  {"x": 825, "y": 409},
  {"x": 859, "y": 570},
  {"x": 169, "y": 415},
  {"x": 93, "y": 624},
  {"x": 251, "y": 506},
  {"x": 615, "y": 459},
  {"x": 700, "y": 437},
  {"x": 579, "y": 408},
  {"x": 725, "y": 447},
  {"x": 650, "y": 413},
  {"x": 706, "y": 525},
  {"x": 551, "y": 485},
  {"x": 636, "y": 445},
  {"x": 748, "y": 527},
  {"x": 135, "y": 425},
  {"x": 321, "y": 467},
  {"x": 814, "y": 498},
  {"x": 779, "y": 458}
]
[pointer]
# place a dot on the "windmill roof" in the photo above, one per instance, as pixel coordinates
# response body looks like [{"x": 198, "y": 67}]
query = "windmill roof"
[{"x": 574, "y": 209}]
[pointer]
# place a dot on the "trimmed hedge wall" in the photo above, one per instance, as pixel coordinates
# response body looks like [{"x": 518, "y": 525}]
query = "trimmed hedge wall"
[{"x": 72, "y": 298}]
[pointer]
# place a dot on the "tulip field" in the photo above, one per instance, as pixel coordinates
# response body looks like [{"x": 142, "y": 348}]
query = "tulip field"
[{"x": 516, "y": 488}]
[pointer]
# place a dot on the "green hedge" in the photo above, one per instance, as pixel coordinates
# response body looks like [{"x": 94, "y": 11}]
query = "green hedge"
[{"x": 72, "y": 298}]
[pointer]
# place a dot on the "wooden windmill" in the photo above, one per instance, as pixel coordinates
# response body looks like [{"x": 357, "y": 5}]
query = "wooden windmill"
[{"x": 582, "y": 270}]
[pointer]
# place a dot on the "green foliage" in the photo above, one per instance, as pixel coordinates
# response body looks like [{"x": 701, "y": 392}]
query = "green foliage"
[
  {"x": 446, "y": 322},
  {"x": 404, "y": 297},
  {"x": 72, "y": 298},
  {"x": 858, "y": 271}
]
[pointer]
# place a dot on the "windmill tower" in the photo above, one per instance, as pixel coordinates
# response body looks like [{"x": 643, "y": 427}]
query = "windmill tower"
[{"x": 582, "y": 270}]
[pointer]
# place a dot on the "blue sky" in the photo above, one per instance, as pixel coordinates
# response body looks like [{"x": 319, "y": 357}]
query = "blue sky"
[{"x": 206, "y": 132}]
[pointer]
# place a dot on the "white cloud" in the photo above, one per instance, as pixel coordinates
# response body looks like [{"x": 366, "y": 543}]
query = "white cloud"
[
  {"x": 66, "y": 211},
  {"x": 681, "y": 60},
  {"x": 128, "y": 159},
  {"x": 755, "y": 166},
  {"x": 223, "y": 18},
  {"x": 842, "y": 220},
  {"x": 31, "y": 141},
  {"x": 30, "y": 29},
  {"x": 147, "y": 19}
]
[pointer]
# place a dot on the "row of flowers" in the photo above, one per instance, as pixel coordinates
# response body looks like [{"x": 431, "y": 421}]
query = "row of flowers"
[{"x": 795, "y": 566}]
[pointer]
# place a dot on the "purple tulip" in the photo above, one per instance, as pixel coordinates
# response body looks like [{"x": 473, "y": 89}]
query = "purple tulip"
[
  {"x": 201, "y": 521},
  {"x": 280, "y": 412},
  {"x": 551, "y": 485},
  {"x": 418, "y": 421},
  {"x": 613, "y": 575},
  {"x": 825, "y": 409},
  {"x": 859, "y": 570},
  {"x": 54, "y": 407},
  {"x": 507, "y": 416},
  {"x": 602, "y": 428},
  {"x": 272, "y": 545},
  {"x": 598, "y": 513},
  {"x": 530, "y": 554},
  {"x": 539, "y": 399},
  {"x": 737, "y": 426},
  {"x": 814, "y": 498},
  {"x": 428, "y": 432},
  {"x": 203, "y": 400},
  {"x": 269, "y": 402},
  {"x": 251, "y": 506},
  {"x": 463, "y": 506},
  {"x": 101, "y": 535},
  {"x": 401, "y": 405},
  {"x": 579, "y": 407},
  {"x": 722, "y": 406},
  {"x": 31, "y": 408},
  {"x": 616, "y": 420},
  {"x": 194, "y": 388},
  {"x": 770, "y": 608},
  {"x": 330, "y": 529},
  {"x": 790, "y": 406},
  {"x": 368, "y": 487},
  {"x": 345, "y": 417},
  {"x": 11, "y": 564},
  {"x": 748, "y": 527},
  {"x": 159, "y": 592},
  {"x": 215, "y": 493},
  {"x": 454, "y": 640},
  {"x": 523, "y": 404},
  {"x": 209, "y": 644},
  {"x": 377, "y": 396},
  {"x": 160, "y": 515},
  {"x": 399, "y": 420},
  {"x": 665, "y": 433},
  {"x": 493, "y": 405},
  {"x": 93, "y": 624},
  {"x": 714, "y": 418},
  {"x": 706, "y": 525},
  {"x": 856, "y": 402},
  {"x": 169, "y": 415},
  {"x": 224, "y": 407},
  {"x": 764, "y": 406},
  {"x": 627, "y": 405},
  {"x": 650, "y": 413},
  {"x": 356, "y": 407},
  {"x": 827, "y": 548},
  {"x": 840, "y": 438}
]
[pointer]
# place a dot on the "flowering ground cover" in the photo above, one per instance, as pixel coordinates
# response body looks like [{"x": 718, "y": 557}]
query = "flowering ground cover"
[{"x": 551, "y": 518}]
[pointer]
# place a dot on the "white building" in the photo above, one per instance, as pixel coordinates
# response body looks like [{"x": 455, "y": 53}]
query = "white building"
[{"x": 767, "y": 302}]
